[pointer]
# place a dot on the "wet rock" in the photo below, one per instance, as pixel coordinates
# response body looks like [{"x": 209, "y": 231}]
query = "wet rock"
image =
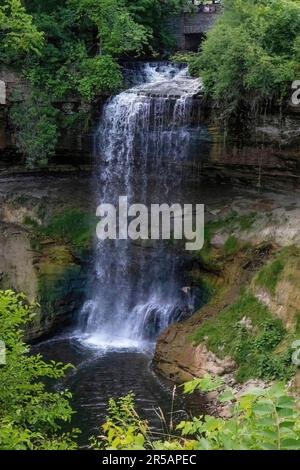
[{"x": 49, "y": 271}]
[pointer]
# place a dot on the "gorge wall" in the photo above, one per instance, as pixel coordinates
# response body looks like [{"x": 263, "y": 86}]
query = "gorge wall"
[
  {"x": 74, "y": 147},
  {"x": 46, "y": 236},
  {"x": 46, "y": 265},
  {"x": 251, "y": 266}
]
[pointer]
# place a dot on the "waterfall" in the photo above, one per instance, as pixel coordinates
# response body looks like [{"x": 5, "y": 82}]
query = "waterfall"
[{"x": 144, "y": 135}]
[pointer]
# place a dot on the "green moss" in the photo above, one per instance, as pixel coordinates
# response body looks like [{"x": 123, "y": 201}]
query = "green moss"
[
  {"x": 231, "y": 246},
  {"x": 74, "y": 227},
  {"x": 254, "y": 348},
  {"x": 269, "y": 276},
  {"x": 60, "y": 256},
  {"x": 54, "y": 284},
  {"x": 246, "y": 221},
  {"x": 208, "y": 255},
  {"x": 286, "y": 263},
  {"x": 233, "y": 222}
]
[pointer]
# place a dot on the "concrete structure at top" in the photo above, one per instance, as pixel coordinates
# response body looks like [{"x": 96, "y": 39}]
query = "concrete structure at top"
[{"x": 190, "y": 28}]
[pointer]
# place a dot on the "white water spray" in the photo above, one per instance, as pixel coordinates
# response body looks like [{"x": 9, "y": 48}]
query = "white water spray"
[{"x": 143, "y": 138}]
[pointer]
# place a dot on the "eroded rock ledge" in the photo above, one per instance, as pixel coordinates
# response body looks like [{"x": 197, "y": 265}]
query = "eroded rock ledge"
[
  {"x": 37, "y": 254},
  {"x": 243, "y": 245}
]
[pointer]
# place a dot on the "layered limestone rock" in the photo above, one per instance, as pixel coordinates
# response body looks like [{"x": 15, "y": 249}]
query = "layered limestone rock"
[
  {"x": 16, "y": 260},
  {"x": 49, "y": 269},
  {"x": 267, "y": 156},
  {"x": 246, "y": 236}
]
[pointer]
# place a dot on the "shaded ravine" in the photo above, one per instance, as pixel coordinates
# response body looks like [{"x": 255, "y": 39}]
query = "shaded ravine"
[
  {"x": 144, "y": 131},
  {"x": 136, "y": 289}
]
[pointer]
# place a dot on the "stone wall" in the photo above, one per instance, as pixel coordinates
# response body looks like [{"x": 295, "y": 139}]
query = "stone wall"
[{"x": 184, "y": 27}]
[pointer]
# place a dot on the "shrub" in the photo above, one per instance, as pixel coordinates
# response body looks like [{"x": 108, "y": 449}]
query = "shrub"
[
  {"x": 30, "y": 416},
  {"x": 254, "y": 348},
  {"x": 34, "y": 121},
  {"x": 251, "y": 56},
  {"x": 260, "y": 420}
]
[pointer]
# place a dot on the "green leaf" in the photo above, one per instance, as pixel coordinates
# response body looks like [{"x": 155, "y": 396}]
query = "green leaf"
[
  {"x": 263, "y": 408},
  {"x": 226, "y": 396},
  {"x": 290, "y": 444}
]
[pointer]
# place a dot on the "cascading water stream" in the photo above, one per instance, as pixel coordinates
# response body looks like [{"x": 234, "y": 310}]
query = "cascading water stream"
[{"x": 144, "y": 136}]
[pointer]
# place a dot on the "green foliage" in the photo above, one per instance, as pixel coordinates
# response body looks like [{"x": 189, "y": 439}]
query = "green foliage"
[
  {"x": 221, "y": 330},
  {"x": 272, "y": 333},
  {"x": 124, "y": 430},
  {"x": 260, "y": 419},
  {"x": 276, "y": 366},
  {"x": 269, "y": 276},
  {"x": 30, "y": 416},
  {"x": 284, "y": 268},
  {"x": 74, "y": 226},
  {"x": 253, "y": 346},
  {"x": 257, "y": 355},
  {"x": 118, "y": 33},
  {"x": 231, "y": 246},
  {"x": 97, "y": 75},
  {"x": 36, "y": 128},
  {"x": 72, "y": 48},
  {"x": 153, "y": 14},
  {"x": 250, "y": 56},
  {"x": 18, "y": 34},
  {"x": 205, "y": 384}
]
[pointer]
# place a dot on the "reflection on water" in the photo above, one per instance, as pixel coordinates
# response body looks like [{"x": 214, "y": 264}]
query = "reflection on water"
[{"x": 102, "y": 374}]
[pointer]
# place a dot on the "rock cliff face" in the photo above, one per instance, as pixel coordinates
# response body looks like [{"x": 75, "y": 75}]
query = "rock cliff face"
[
  {"x": 254, "y": 245},
  {"x": 47, "y": 265},
  {"x": 16, "y": 266},
  {"x": 266, "y": 157},
  {"x": 51, "y": 270},
  {"x": 73, "y": 147}
]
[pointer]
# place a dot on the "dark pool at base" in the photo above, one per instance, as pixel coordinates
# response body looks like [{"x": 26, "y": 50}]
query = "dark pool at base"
[{"x": 99, "y": 376}]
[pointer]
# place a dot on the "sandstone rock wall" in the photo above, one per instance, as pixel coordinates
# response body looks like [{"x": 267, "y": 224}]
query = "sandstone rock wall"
[
  {"x": 49, "y": 271},
  {"x": 264, "y": 227}
]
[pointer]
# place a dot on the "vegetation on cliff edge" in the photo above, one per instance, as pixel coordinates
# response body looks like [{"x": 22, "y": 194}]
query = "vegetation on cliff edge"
[
  {"x": 251, "y": 57},
  {"x": 71, "y": 48}
]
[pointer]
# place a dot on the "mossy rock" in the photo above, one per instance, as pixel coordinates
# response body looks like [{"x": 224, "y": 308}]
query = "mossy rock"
[
  {"x": 247, "y": 332},
  {"x": 278, "y": 285},
  {"x": 73, "y": 227},
  {"x": 60, "y": 256}
]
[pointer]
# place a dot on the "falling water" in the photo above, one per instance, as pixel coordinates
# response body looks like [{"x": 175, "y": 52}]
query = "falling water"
[{"x": 144, "y": 136}]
